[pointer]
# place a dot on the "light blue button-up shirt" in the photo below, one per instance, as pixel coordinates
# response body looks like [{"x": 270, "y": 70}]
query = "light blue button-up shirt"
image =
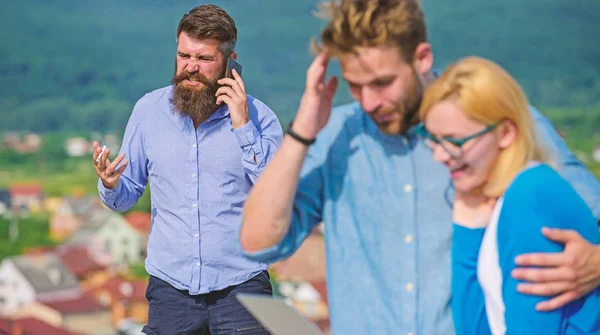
[
  {"x": 386, "y": 206},
  {"x": 199, "y": 180}
]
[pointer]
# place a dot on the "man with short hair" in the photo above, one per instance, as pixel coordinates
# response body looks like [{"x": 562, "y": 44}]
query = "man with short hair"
[
  {"x": 386, "y": 205},
  {"x": 202, "y": 142}
]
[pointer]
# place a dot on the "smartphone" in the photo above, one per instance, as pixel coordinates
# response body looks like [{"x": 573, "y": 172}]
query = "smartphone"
[{"x": 232, "y": 64}]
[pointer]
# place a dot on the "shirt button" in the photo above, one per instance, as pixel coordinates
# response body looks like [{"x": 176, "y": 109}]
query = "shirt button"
[
  {"x": 248, "y": 133},
  {"x": 408, "y": 188},
  {"x": 193, "y": 175},
  {"x": 194, "y": 205},
  {"x": 408, "y": 238},
  {"x": 196, "y": 235},
  {"x": 193, "y": 146},
  {"x": 198, "y": 264},
  {"x": 410, "y": 287}
]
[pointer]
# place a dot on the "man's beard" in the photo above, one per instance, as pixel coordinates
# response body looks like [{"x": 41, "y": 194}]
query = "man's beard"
[
  {"x": 407, "y": 108},
  {"x": 197, "y": 102},
  {"x": 412, "y": 103}
]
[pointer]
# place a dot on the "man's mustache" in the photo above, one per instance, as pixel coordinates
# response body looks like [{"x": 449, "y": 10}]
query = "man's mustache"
[{"x": 190, "y": 76}]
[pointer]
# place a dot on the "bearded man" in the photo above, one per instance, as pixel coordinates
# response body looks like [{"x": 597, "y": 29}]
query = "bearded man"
[{"x": 202, "y": 142}]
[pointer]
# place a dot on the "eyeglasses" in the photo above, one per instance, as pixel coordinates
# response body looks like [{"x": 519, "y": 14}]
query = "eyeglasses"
[{"x": 453, "y": 146}]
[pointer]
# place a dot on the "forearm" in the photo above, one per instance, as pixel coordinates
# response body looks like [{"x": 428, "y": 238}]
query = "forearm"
[{"x": 268, "y": 208}]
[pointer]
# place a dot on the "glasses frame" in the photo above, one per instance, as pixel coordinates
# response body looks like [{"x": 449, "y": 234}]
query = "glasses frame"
[{"x": 458, "y": 142}]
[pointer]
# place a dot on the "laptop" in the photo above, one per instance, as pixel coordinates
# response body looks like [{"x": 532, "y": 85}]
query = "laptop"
[{"x": 277, "y": 316}]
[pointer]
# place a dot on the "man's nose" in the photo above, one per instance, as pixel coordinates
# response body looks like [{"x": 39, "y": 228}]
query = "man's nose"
[
  {"x": 192, "y": 66},
  {"x": 371, "y": 101}
]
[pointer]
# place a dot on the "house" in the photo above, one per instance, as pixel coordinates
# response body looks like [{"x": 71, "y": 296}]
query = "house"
[
  {"x": 11, "y": 140},
  {"x": 5, "y": 203},
  {"x": 30, "y": 326},
  {"x": 42, "y": 277},
  {"x": 77, "y": 147},
  {"x": 84, "y": 315},
  {"x": 26, "y": 197},
  {"x": 69, "y": 215},
  {"x": 140, "y": 222},
  {"x": 126, "y": 298},
  {"x": 31, "y": 143},
  {"x": 106, "y": 231},
  {"x": 89, "y": 269}
]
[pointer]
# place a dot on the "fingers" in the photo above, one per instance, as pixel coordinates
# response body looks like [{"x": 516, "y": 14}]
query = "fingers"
[
  {"x": 316, "y": 71},
  {"x": 121, "y": 169},
  {"x": 113, "y": 166},
  {"x": 546, "y": 289},
  {"x": 557, "y": 302},
  {"x": 545, "y": 275},
  {"x": 543, "y": 259},
  {"x": 226, "y": 90},
  {"x": 561, "y": 235},
  {"x": 224, "y": 98},
  {"x": 239, "y": 80},
  {"x": 233, "y": 84},
  {"x": 331, "y": 87}
]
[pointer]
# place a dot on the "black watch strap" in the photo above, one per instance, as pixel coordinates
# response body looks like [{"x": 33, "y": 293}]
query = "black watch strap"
[{"x": 294, "y": 135}]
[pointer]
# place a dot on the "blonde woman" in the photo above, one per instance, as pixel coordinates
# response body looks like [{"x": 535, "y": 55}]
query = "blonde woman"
[{"x": 476, "y": 120}]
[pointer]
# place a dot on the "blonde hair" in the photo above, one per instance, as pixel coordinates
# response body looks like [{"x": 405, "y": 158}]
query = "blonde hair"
[
  {"x": 485, "y": 92},
  {"x": 354, "y": 24}
]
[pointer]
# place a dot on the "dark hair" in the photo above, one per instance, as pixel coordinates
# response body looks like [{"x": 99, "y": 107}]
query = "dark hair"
[{"x": 210, "y": 22}]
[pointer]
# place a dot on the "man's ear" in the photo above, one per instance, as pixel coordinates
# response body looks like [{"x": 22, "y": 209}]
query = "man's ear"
[
  {"x": 507, "y": 133},
  {"x": 423, "y": 58}
]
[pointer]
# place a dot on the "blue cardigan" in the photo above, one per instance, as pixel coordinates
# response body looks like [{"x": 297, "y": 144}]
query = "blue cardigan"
[{"x": 537, "y": 198}]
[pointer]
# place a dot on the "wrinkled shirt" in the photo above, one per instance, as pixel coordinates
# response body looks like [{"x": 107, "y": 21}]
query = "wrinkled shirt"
[
  {"x": 387, "y": 211},
  {"x": 199, "y": 180}
]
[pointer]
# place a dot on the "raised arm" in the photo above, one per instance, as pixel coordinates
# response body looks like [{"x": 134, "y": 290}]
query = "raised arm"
[
  {"x": 122, "y": 182},
  {"x": 268, "y": 209}
]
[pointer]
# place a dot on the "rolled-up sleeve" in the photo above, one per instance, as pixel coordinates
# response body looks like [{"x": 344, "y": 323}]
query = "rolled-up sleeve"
[{"x": 259, "y": 138}]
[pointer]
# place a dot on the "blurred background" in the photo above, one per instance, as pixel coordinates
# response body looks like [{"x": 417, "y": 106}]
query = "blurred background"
[{"x": 71, "y": 71}]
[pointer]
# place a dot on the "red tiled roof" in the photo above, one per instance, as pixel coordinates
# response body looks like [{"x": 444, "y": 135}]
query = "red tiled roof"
[
  {"x": 25, "y": 189},
  {"x": 77, "y": 259},
  {"x": 38, "y": 250},
  {"x": 4, "y": 326},
  {"x": 140, "y": 221},
  {"x": 123, "y": 290},
  {"x": 83, "y": 304},
  {"x": 33, "y": 326}
]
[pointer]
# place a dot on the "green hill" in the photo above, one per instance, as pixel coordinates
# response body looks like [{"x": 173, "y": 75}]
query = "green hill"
[{"x": 82, "y": 64}]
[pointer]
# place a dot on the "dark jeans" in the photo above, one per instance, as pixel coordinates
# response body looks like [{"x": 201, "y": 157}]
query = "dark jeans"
[{"x": 174, "y": 311}]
